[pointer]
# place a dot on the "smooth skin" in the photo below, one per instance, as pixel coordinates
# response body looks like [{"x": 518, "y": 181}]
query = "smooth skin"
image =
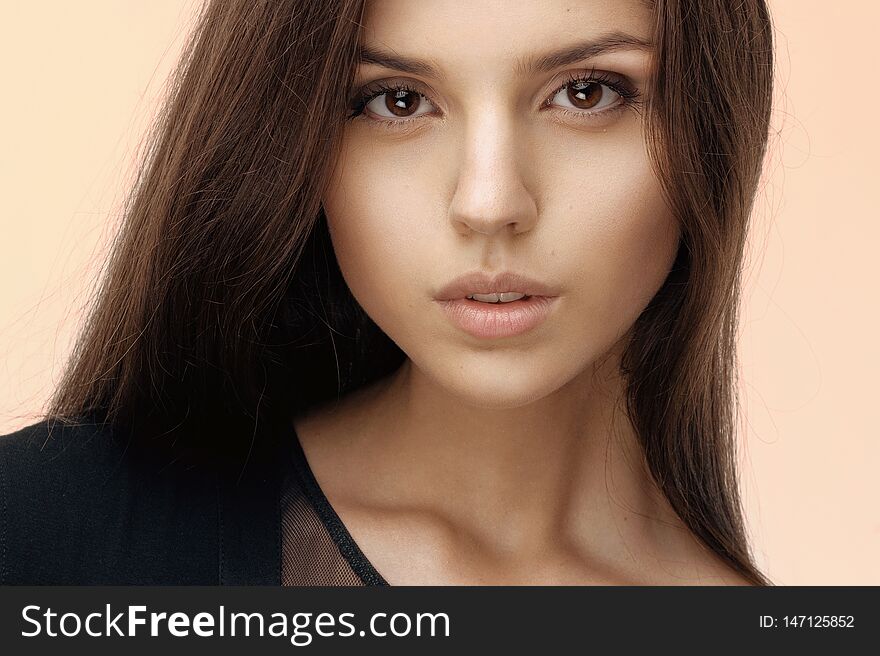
[{"x": 511, "y": 460}]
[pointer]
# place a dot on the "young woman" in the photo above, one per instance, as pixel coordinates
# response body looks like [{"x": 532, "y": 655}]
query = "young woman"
[{"x": 418, "y": 293}]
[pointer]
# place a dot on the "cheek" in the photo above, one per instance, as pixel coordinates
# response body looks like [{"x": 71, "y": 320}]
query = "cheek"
[
  {"x": 376, "y": 239},
  {"x": 622, "y": 239},
  {"x": 637, "y": 244}
]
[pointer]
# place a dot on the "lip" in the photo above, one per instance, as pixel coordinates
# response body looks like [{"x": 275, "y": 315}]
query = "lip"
[
  {"x": 480, "y": 282},
  {"x": 497, "y": 320}
]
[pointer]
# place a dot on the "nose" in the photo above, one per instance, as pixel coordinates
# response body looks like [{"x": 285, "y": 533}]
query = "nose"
[{"x": 491, "y": 193}]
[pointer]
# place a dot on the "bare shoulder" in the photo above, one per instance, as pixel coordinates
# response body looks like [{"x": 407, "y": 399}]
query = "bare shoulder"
[
  {"x": 674, "y": 555},
  {"x": 699, "y": 568}
]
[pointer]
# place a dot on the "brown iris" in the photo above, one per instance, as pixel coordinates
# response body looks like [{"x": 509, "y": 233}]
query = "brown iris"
[
  {"x": 401, "y": 103},
  {"x": 585, "y": 95}
]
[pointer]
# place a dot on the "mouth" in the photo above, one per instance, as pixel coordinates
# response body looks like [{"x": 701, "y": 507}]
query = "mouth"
[
  {"x": 503, "y": 298},
  {"x": 496, "y": 306}
]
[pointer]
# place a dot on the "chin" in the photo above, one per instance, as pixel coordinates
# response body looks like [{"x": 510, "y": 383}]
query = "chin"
[{"x": 500, "y": 385}]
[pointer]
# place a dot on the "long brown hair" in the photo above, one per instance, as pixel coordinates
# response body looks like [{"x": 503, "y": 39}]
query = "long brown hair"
[{"x": 222, "y": 312}]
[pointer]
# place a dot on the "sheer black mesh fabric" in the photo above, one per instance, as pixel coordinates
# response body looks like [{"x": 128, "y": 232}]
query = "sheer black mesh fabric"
[
  {"x": 316, "y": 547},
  {"x": 309, "y": 554}
]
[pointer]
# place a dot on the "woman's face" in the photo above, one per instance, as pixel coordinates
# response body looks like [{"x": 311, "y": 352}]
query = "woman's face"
[{"x": 500, "y": 159}]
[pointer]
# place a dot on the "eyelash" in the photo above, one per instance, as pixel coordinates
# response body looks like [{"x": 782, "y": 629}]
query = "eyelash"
[{"x": 629, "y": 97}]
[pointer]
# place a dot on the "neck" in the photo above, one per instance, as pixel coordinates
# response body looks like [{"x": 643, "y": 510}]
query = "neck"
[{"x": 564, "y": 467}]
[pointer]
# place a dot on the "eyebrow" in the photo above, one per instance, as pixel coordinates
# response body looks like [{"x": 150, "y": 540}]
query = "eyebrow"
[{"x": 528, "y": 65}]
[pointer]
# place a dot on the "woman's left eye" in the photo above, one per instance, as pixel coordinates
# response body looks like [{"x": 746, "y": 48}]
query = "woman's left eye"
[
  {"x": 595, "y": 96},
  {"x": 588, "y": 97}
]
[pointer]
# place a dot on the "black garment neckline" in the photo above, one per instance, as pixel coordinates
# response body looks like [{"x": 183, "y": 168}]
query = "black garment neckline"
[{"x": 352, "y": 553}]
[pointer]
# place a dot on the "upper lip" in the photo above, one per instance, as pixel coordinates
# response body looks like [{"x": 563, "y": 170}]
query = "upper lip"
[{"x": 480, "y": 282}]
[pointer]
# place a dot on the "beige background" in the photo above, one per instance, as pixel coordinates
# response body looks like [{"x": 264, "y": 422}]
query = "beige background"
[{"x": 81, "y": 81}]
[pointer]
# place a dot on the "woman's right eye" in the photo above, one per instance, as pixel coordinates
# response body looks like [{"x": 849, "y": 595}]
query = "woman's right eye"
[
  {"x": 399, "y": 103},
  {"x": 391, "y": 104}
]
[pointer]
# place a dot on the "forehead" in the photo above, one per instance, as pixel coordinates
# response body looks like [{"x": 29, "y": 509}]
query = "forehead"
[{"x": 450, "y": 36}]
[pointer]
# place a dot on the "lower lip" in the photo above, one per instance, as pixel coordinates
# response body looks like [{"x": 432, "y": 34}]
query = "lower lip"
[{"x": 494, "y": 320}]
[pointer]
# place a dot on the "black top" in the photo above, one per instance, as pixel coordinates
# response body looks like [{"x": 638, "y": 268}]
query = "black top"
[{"x": 78, "y": 508}]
